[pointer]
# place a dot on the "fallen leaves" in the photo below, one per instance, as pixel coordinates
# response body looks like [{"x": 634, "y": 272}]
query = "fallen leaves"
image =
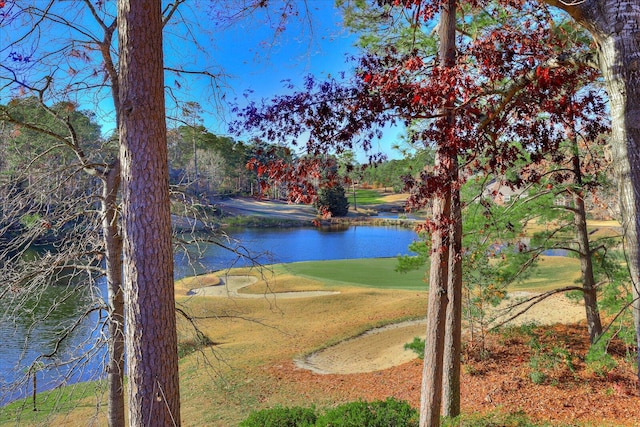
[{"x": 501, "y": 382}]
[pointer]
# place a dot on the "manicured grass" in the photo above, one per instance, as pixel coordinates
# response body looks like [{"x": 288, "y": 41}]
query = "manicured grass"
[
  {"x": 365, "y": 197},
  {"x": 552, "y": 272},
  {"x": 373, "y": 273}
]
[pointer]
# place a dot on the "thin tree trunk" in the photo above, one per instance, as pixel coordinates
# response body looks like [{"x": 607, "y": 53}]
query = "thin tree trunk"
[
  {"x": 431, "y": 390},
  {"x": 589, "y": 291},
  {"x": 113, "y": 250},
  {"x": 441, "y": 372},
  {"x": 594, "y": 325},
  {"x": 453, "y": 335},
  {"x": 151, "y": 339}
]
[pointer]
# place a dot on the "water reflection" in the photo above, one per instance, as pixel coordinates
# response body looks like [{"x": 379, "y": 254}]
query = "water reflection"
[{"x": 41, "y": 331}]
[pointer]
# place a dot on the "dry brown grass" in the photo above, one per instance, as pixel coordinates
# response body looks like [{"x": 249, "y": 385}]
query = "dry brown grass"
[
  {"x": 395, "y": 197},
  {"x": 598, "y": 228}
]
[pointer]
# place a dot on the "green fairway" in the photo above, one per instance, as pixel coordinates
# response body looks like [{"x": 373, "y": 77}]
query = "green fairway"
[
  {"x": 366, "y": 197},
  {"x": 370, "y": 272},
  {"x": 552, "y": 272}
]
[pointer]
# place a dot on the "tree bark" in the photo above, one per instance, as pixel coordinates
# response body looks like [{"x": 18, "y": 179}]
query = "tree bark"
[
  {"x": 439, "y": 281},
  {"x": 620, "y": 63},
  {"x": 579, "y": 212},
  {"x": 151, "y": 340},
  {"x": 113, "y": 250},
  {"x": 453, "y": 335},
  {"x": 589, "y": 291},
  {"x": 614, "y": 26},
  {"x": 590, "y": 297},
  {"x": 431, "y": 389}
]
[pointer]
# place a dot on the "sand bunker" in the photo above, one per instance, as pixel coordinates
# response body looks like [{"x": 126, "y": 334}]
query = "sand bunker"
[
  {"x": 374, "y": 350},
  {"x": 382, "y": 348},
  {"x": 230, "y": 285}
]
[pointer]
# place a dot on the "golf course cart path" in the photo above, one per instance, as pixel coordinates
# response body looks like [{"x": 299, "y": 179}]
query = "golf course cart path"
[{"x": 230, "y": 285}]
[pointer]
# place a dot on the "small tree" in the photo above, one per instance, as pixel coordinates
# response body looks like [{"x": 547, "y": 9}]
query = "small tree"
[{"x": 332, "y": 200}]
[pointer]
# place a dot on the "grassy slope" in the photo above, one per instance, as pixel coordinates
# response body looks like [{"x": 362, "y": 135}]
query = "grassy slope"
[{"x": 365, "y": 197}]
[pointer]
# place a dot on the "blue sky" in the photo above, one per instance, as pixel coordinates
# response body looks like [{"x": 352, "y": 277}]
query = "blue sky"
[{"x": 256, "y": 61}]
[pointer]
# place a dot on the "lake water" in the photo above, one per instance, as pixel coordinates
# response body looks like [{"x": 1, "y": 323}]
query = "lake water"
[
  {"x": 265, "y": 246},
  {"x": 270, "y": 246}
]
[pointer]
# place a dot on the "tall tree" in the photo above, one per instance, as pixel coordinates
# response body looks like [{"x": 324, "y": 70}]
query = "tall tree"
[
  {"x": 192, "y": 113},
  {"x": 508, "y": 76},
  {"x": 613, "y": 25},
  {"x": 151, "y": 337},
  {"x": 444, "y": 313},
  {"x": 88, "y": 70}
]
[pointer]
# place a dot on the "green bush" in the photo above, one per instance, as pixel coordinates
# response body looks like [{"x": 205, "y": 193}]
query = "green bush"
[
  {"x": 333, "y": 200},
  {"x": 282, "y": 417},
  {"x": 30, "y": 220},
  {"x": 417, "y": 346},
  {"x": 598, "y": 360},
  {"x": 388, "y": 413}
]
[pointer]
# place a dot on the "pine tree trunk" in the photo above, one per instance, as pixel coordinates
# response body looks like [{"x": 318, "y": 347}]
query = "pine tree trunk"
[
  {"x": 151, "y": 341},
  {"x": 594, "y": 325},
  {"x": 446, "y": 164},
  {"x": 453, "y": 335},
  {"x": 113, "y": 250},
  {"x": 431, "y": 390},
  {"x": 589, "y": 291}
]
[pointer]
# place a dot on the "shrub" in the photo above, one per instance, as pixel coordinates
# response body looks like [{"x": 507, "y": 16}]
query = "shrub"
[
  {"x": 598, "y": 360},
  {"x": 198, "y": 342},
  {"x": 333, "y": 200},
  {"x": 388, "y": 413},
  {"x": 417, "y": 346},
  {"x": 281, "y": 417}
]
